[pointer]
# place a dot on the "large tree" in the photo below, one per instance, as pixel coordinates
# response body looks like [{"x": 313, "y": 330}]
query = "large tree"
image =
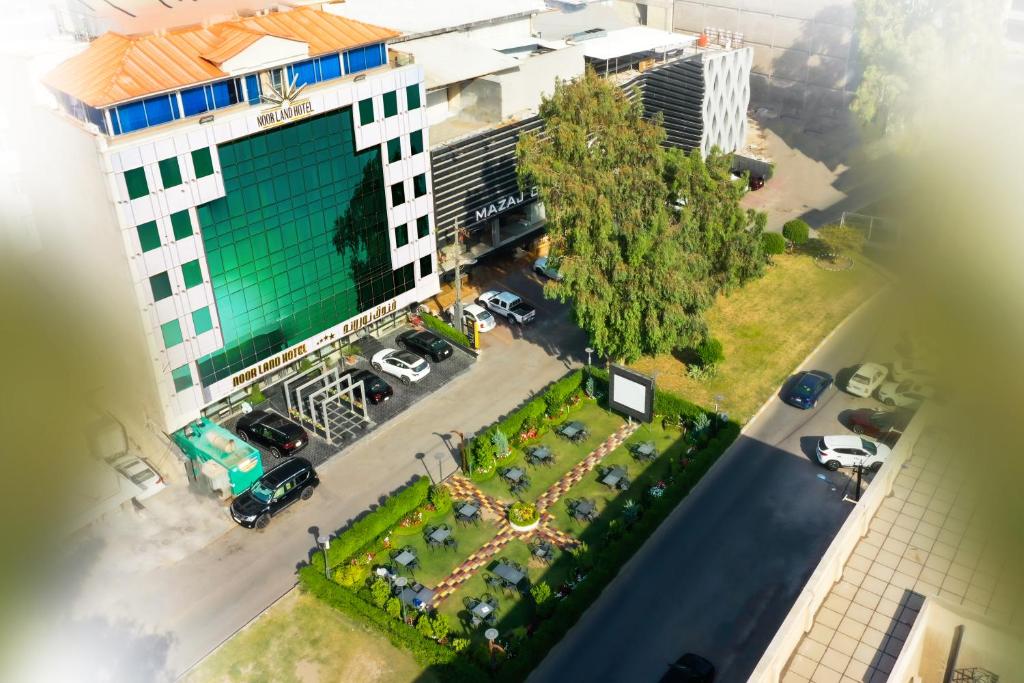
[
  {"x": 639, "y": 278},
  {"x": 916, "y": 54}
]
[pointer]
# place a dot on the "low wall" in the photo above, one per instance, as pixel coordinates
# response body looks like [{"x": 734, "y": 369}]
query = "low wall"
[{"x": 801, "y": 616}]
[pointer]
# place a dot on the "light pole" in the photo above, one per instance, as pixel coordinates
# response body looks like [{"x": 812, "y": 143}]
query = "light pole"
[
  {"x": 325, "y": 544},
  {"x": 400, "y": 582},
  {"x": 589, "y": 351}
]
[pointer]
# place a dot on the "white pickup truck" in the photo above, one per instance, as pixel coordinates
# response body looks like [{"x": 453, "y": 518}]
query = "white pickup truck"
[{"x": 508, "y": 305}]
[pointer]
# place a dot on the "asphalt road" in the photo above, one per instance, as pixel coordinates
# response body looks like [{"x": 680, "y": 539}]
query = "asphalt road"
[{"x": 720, "y": 574}]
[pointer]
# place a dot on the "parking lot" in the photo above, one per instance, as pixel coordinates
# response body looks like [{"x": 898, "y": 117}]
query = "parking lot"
[{"x": 319, "y": 450}]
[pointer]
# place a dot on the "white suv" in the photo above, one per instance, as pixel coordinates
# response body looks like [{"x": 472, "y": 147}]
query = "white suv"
[
  {"x": 404, "y": 365},
  {"x": 849, "y": 450}
]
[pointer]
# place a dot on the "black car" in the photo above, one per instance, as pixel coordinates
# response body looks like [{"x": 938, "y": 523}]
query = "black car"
[
  {"x": 690, "y": 668},
  {"x": 279, "y": 434},
  {"x": 290, "y": 481},
  {"x": 425, "y": 344},
  {"x": 377, "y": 389},
  {"x": 807, "y": 389}
]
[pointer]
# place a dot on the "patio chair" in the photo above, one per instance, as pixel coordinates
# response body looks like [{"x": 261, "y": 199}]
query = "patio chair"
[
  {"x": 623, "y": 484},
  {"x": 450, "y": 542},
  {"x": 470, "y": 603},
  {"x": 494, "y": 581}
]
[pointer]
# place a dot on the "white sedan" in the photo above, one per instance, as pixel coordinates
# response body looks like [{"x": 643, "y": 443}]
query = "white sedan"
[
  {"x": 542, "y": 267},
  {"x": 139, "y": 473},
  {"x": 908, "y": 394},
  {"x": 475, "y": 313},
  {"x": 867, "y": 378},
  {"x": 850, "y": 450},
  {"x": 404, "y": 365}
]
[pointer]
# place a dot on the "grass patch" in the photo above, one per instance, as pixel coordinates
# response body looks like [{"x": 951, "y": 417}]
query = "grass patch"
[
  {"x": 438, "y": 563},
  {"x": 302, "y": 640},
  {"x": 767, "y": 328}
]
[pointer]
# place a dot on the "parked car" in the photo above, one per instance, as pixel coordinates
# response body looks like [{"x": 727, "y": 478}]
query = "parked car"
[
  {"x": 292, "y": 480},
  {"x": 848, "y": 450},
  {"x": 908, "y": 394},
  {"x": 911, "y": 369},
  {"x": 377, "y": 390},
  {"x": 690, "y": 668},
  {"x": 139, "y": 472},
  {"x": 404, "y": 365},
  {"x": 508, "y": 305},
  {"x": 884, "y": 425},
  {"x": 425, "y": 344},
  {"x": 808, "y": 388},
  {"x": 756, "y": 181},
  {"x": 867, "y": 378},
  {"x": 475, "y": 313},
  {"x": 545, "y": 268},
  {"x": 279, "y": 434}
]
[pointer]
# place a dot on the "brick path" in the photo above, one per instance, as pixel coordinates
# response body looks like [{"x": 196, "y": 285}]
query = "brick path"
[{"x": 465, "y": 489}]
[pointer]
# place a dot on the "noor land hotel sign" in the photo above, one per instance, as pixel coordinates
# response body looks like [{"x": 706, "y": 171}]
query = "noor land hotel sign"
[{"x": 286, "y": 107}]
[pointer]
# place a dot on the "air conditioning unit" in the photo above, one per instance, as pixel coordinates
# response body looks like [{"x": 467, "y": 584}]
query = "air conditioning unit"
[{"x": 213, "y": 478}]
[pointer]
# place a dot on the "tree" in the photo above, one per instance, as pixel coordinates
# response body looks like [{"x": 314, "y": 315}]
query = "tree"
[
  {"x": 500, "y": 442},
  {"x": 634, "y": 286},
  {"x": 841, "y": 239},
  {"x": 916, "y": 53}
]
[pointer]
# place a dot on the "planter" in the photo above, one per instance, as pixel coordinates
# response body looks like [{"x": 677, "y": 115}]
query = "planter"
[{"x": 524, "y": 529}]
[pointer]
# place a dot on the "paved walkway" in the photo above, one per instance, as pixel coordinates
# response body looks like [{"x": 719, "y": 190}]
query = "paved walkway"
[{"x": 465, "y": 489}]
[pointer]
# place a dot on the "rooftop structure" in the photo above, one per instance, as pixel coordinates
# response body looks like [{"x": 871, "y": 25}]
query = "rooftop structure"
[{"x": 412, "y": 19}]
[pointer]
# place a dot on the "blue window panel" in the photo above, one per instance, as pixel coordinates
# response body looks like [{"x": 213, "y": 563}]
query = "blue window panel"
[
  {"x": 193, "y": 101},
  {"x": 161, "y": 109},
  {"x": 382, "y": 56},
  {"x": 224, "y": 93},
  {"x": 305, "y": 71},
  {"x": 252, "y": 88},
  {"x": 132, "y": 116},
  {"x": 330, "y": 67},
  {"x": 355, "y": 61},
  {"x": 115, "y": 124}
]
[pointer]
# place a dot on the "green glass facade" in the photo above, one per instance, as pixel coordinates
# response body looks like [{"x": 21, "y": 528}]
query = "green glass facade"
[{"x": 300, "y": 241}]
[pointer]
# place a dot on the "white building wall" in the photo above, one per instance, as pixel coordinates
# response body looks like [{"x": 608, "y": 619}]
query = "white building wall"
[
  {"x": 726, "y": 98},
  {"x": 523, "y": 90}
]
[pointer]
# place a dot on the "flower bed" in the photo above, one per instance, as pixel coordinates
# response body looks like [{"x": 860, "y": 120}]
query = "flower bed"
[{"x": 523, "y": 516}]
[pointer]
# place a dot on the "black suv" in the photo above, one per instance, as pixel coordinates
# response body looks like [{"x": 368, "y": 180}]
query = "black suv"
[
  {"x": 273, "y": 492},
  {"x": 279, "y": 434},
  {"x": 425, "y": 344},
  {"x": 377, "y": 389}
]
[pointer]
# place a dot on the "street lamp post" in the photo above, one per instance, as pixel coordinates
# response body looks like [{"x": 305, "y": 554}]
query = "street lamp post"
[
  {"x": 325, "y": 543},
  {"x": 589, "y": 351},
  {"x": 400, "y": 582}
]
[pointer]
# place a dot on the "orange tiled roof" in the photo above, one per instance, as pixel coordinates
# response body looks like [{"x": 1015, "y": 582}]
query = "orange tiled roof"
[{"x": 115, "y": 68}]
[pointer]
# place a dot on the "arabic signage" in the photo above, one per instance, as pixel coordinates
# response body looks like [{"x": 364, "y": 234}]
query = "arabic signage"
[{"x": 503, "y": 204}]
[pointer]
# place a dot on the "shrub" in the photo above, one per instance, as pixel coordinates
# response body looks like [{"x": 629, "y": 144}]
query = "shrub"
[
  {"x": 352, "y": 574},
  {"x": 710, "y": 352},
  {"x": 426, "y": 627},
  {"x": 522, "y": 513},
  {"x": 440, "y": 497},
  {"x": 459, "y": 644},
  {"x": 441, "y": 626},
  {"x": 256, "y": 396},
  {"x": 482, "y": 456},
  {"x": 500, "y": 443},
  {"x": 773, "y": 243},
  {"x": 393, "y": 608},
  {"x": 443, "y": 329},
  {"x": 380, "y": 591},
  {"x": 796, "y": 231}
]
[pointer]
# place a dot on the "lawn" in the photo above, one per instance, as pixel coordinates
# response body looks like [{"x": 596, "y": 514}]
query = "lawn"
[
  {"x": 438, "y": 563},
  {"x": 600, "y": 424},
  {"x": 767, "y": 328},
  {"x": 299, "y": 639}
]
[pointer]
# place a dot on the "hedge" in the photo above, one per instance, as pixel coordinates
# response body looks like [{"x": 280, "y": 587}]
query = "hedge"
[
  {"x": 612, "y": 557},
  {"x": 440, "y": 327},
  {"x": 442, "y": 660},
  {"x": 363, "y": 532}
]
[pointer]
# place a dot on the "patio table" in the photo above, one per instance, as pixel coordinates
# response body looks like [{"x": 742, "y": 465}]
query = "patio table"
[
  {"x": 509, "y": 573},
  {"x": 541, "y": 453},
  {"x": 571, "y": 429},
  {"x": 405, "y": 557},
  {"x": 514, "y": 474},
  {"x": 482, "y": 609},
  {"x": 468, "y": 511},
  {"x": 585, "y": 508},
  {"x": 646, "y": 450},
  {"x": 614, "y": 476},
  {"x": 440, "y": 534}
]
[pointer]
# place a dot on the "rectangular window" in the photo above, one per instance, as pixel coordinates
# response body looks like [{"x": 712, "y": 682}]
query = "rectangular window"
[
  {"x": 223, "y": 93},
  {"x": 201, "y": 320},
  {"x": 160, "y": 284},
  {"x": 426, "y": 266},
  {"x": 416, "y": 141},
  {"x": 192, "y": 274},
  {"x": 305, "y": 71},
  {"x": 161, "y": 109},
  {"x": 182, "y": 378},
  {"x": 419, "y": 185},
  {"x": 390, "y": 104},
  {"x": 363, "y": 58},
  {"x": 252, "y": 89},
  {"x": 401, "y": 236},
  {"x": 135, "y": 179},
  {"x": 181, "y": 224},
  {"x": 423, "y": 226},
  {"x": 202, "y": 162},
  {"x": 149, "y": 236},
  {"x": 330, "y": 67},
  {"x": 193, "y": 101},
  {"x": 397, "y": 194},
  {"x": 412, "y": 96},
  {"x": 170, "y": 173},
  {"x": 394, "y": 150},
  {"x": 172, "y": 334},
  {"x": 366, "y": 111}
]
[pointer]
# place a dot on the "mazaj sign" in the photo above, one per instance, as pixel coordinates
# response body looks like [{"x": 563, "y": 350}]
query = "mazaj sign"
[{"x": 504, "y": 204}]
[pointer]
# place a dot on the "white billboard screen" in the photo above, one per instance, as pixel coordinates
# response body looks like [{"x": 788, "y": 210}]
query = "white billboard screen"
[{"x": 630, "y": 394}]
